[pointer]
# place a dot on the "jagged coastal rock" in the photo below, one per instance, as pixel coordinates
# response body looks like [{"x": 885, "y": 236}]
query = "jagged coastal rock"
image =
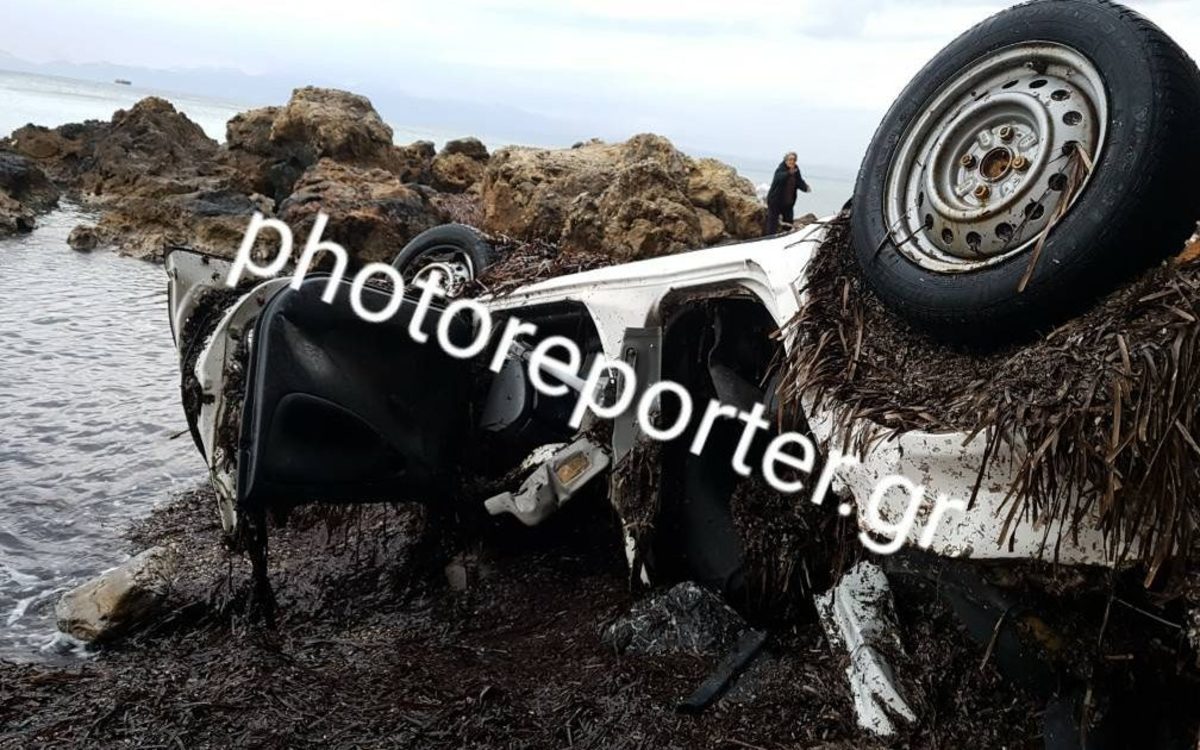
[
  {"x": 157, "y": 180},
  {"x": 151, "y": 172},
  {"x": 371, "y": 211},
  {"x": 25, "y": 191},
  {"x": 459, "y": 166},
  {"x": 635, "y": 199}
]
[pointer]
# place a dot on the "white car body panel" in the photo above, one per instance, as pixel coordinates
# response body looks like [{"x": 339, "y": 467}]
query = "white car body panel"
[
  {"x": 629, "y": 296},
  {"x": 214, "y": 362}
]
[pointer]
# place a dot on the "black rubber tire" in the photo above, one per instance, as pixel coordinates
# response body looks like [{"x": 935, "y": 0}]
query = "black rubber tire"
[
  {"x": 1139, "y": 206},
  {"x": 460, "y": 237}
]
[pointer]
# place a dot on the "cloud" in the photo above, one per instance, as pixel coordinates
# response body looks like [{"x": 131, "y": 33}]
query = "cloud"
[{"x": 725, "y": 74}]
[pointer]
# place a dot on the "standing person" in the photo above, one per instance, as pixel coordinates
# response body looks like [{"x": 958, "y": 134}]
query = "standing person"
[{"x": 781, "y": 198}]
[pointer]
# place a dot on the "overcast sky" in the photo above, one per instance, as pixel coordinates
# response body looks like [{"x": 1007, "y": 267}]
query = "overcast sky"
[{"x": 724, "y": 76}]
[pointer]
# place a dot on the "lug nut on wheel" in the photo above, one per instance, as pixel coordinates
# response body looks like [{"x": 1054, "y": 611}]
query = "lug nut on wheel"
[
  {"x": 982, "y": 192},
  {"x": 967, "y": 160},
  {"x": 1020, "y": 163},
  {"x": 1006, "y": 132}
]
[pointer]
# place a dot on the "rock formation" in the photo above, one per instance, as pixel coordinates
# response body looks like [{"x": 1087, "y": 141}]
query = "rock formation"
[
  {"x": 25, "y": 191},
  {"x": 636, "y": 199},
  {"x": 157, "y": 180},
  {"x": 152, "y": 173},
  {"x": 459, "y": 165},
  {"x": 371, "y": 212},
  {"x": 83, "y": 238},
  {"x": 273, "y": 146},
  {"x": 414, "y": 162}
]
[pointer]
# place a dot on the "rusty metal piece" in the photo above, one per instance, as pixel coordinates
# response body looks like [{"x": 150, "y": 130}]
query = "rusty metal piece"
[
  {"x": 1020, "y": 163},
  {"x": 982, "y": 192},
  {"x": 967, "y": 160},
  {"x": 1006, "y": 132},
  {"x": 995, "y": 164}
]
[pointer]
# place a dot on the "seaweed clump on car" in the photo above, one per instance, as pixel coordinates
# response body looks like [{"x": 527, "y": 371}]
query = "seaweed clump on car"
[
  {"x": 519, "y": 263},
  {"x": 1102, "y": 412}
]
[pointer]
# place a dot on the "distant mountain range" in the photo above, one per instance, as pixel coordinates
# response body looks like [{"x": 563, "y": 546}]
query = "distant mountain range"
[
  {"x": 494, "y": 123},
  {"x": 503, "y": 123}
]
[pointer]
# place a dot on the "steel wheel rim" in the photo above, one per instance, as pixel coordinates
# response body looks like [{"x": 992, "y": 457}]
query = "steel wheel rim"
[
  {"x": 455, "y": 266},
  {"x": 980, "y": 173}
]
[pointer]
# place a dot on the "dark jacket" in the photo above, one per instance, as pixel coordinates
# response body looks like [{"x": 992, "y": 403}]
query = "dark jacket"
[{"x": 779, "y": 196}]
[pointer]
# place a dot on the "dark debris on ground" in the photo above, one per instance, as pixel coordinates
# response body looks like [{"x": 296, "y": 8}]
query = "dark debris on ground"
[{"x": 374, "y": 649}]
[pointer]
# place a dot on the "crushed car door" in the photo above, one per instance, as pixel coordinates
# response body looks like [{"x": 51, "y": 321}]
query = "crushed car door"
[{"x": 338, "y": 409}]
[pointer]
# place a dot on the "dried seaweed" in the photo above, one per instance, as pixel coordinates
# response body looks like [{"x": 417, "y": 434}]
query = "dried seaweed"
[
  {"x": 1103, "y": 412},
  {"x": 526, "y": 262},
  {"x": 637, "y": 497},
  {"x": 369, "y": 653},
  {"x": 461, "y": 208},
  {"x": 791, "y": 548}
]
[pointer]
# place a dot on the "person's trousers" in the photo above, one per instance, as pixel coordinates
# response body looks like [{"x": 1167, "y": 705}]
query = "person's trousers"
[{"x": 774, "y": 215}]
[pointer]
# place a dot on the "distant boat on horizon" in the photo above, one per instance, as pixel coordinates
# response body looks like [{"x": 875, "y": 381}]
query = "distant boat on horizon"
[{"x": 123, "y": 82}]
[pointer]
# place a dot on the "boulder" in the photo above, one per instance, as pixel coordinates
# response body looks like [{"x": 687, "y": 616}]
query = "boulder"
[
  {"x": 22, "y": 180},
  {"x": 321, "y": 123},
  {"x": 635, "y": 199},
  {"x": 526, "y": 191},
  {"x": 414, "y": 162},
  {"x": 152, "y": 136},
  {"x": 264, "y": 167},
  {"x": 119, "y": 600},
  {"x": 250, "y": 131},
  {"x": 25, "y": 191},
  {"x": 212, "y": 220},
  {"x": 685, "y": 619},
  {"x": 83, "y": 238},
  {"x": 641, "y": 214},
  {"x": 15, "y": 217},
  {"x": 372, "y": 214},
  {"x": 316, "y": 123},
  {"x": 720, "y": 190},
  {"x": 272, "y": 146},
  {"x": 472, "y": 148},
  {"x": 459, "y": 165},
  {"x": 455, "y": 173},
  {"x": 63, "y": 152},
  {"x": 712, "y": 229}
]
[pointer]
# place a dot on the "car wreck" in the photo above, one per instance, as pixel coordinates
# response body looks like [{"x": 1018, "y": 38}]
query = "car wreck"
[{"x": 996, "y": 386}]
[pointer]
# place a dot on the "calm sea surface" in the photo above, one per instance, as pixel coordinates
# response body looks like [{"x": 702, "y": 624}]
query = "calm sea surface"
[
  {"x": 89, "y": 402},
  {"x": 89, "y": 384}
]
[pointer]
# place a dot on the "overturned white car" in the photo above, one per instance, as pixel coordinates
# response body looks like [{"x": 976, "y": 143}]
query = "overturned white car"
[
  {"x": 1001, "y": 195},
  {"x": 324, "y": 391}
]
